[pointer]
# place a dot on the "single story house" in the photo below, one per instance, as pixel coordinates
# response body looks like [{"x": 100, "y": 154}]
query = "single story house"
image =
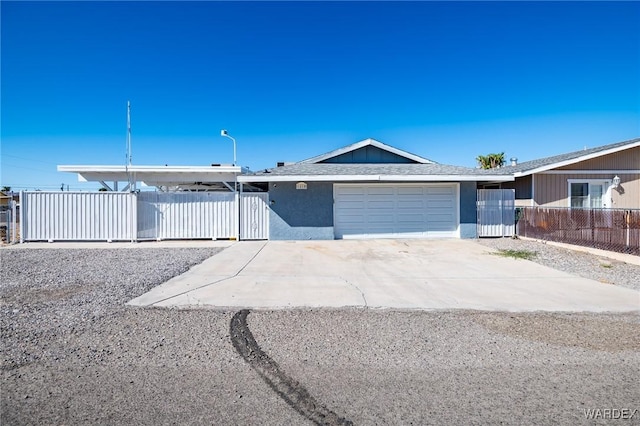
[
  {"x": 364, "y": 190},
  {"x": 371, "y": 190},
  {"x": 603, "y": 177}
]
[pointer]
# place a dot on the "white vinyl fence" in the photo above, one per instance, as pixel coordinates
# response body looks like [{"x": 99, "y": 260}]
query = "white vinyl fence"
[
  {"x": 118, "y": 216},
  {"x": 496, "y": 212},
  {"x": 186, "y": 215}
]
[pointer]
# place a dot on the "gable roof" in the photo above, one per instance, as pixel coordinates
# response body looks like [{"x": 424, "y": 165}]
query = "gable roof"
[
  {"x": 364, "y": 143},
  {"x": 337, "y": 172},
  {"x": 549, "y": 163}
]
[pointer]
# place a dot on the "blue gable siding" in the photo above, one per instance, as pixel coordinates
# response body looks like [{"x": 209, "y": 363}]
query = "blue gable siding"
[
  {"x": 367, "y": 155},
  {"x": 301, "y": 214}
]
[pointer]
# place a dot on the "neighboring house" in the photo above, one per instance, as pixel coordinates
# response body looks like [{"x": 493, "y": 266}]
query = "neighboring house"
[
  {"x": 371, "y": 190},
  {"x": 602, "y": 177}
]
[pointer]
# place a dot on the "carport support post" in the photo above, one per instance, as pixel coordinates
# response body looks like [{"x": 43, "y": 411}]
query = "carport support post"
[
  {"x": 237, "y": 208},
  {"x": 238, "y": 216}
]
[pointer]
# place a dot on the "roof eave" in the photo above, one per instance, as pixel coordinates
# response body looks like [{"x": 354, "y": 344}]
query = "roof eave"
[
  {"x": 369, "y": 178},
  {"x": 148, "y": 169},
  {"x": 576, "y": 160}
]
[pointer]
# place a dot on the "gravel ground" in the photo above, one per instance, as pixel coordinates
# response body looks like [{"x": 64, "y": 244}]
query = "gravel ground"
[
  {"x": 73, "y": 353},
  {"x": 579, "y": 263}
]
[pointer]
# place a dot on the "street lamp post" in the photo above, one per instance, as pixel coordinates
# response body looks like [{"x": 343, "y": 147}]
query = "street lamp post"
[
  {"x": 235, "y": 186},
  {"x": 226, "y": 134}
]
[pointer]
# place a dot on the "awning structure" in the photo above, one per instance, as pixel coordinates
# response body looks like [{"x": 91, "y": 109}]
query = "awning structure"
[{"x": 165, "y": 178}]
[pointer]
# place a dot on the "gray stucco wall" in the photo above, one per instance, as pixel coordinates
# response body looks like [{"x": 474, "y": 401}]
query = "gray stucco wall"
[
  {"x": 297, "y": 214},
  {"x": 301, "y": 214},
  {"x": 468, "y": 213}
]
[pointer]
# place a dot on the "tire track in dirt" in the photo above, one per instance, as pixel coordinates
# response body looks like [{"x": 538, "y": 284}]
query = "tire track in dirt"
[{"x": 286, "y": 387}]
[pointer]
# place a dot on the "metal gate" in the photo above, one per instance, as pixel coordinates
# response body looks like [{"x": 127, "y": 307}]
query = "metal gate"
[
  {"x": 186, "y": 215},
  {"x": 254, "y": 216},
  {"x": 496, "y": 212}
]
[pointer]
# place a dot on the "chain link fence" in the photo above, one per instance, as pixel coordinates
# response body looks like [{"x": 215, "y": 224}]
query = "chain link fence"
[{"x": 608, "y": 229}]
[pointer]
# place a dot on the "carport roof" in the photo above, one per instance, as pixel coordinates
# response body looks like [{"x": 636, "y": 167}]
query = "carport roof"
[
  {"x": 372, "y": 172},
  {"x": 155, "y": 175}
]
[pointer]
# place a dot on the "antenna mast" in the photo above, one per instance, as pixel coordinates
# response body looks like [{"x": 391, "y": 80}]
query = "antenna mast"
[{"x": 127, "y": 163}]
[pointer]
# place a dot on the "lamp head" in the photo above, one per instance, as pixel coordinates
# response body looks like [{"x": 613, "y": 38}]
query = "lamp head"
[
  {"x": 224, "y": 133},
  {"x": 616, "y": 181}
]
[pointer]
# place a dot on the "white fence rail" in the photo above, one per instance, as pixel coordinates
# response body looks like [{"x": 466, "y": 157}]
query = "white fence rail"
[
  {"x": 118, "y": 216},
  {"x": 496, "y": 212}
]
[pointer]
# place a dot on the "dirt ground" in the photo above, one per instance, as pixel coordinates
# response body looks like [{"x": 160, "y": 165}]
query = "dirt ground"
[
  {"x": 153, "y": 366},
  {"x": 72, "y": 352}
]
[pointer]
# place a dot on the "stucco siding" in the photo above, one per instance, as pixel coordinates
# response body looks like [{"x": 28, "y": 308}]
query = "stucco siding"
[
  {"x": 628, "y": 159},
  {"x": 301, "y": 214},
  {"x": 468, "y": 210}
]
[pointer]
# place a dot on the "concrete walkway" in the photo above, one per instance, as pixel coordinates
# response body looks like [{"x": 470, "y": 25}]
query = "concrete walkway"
[{"x": 404, "y": 274}]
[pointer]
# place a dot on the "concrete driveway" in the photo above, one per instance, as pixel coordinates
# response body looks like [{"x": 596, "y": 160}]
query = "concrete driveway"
[{"x": 401, "y": 274}]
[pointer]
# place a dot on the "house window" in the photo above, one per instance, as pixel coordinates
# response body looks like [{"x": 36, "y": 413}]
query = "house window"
[{"x": 588, "y": 194}]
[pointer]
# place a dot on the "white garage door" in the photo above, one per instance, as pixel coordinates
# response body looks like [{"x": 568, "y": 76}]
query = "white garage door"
[{"x": 395, "y": 210}]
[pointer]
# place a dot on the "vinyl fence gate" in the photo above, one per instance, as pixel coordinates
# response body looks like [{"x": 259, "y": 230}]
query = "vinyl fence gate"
[
  {"x": 496, "y": 212},
  {"x": 186, "y": 215},
  {"x": 254, "y": 216}
]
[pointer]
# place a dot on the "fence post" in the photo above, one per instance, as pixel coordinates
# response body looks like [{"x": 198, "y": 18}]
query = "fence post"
[
  {"x": 134, "y": 216},
  {"x": 627, "y": 222},
  {"x": 22, "y": 221}
]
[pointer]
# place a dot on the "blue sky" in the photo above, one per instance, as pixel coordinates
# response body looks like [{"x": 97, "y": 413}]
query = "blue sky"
[{"x": 290, "y": 80}]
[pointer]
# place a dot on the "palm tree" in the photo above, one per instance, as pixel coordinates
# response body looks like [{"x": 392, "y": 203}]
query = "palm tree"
[
  {"x": 491, "y": 161},
  {"x": 6, "y": 189}
]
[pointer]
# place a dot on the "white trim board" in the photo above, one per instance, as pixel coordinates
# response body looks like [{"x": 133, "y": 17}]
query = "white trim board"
[{"x": 591, "y": 172}]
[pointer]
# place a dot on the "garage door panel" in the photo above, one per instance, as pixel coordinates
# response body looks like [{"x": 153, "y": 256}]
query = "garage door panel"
[
  {"x": 353, "y": 190},
  {"x": 379, "y": 218},
  {"x": 411, "y": 204},
  {"x": 381, "y": 204},
  {"x": 379, "y": 190},
  {"x": 352, "y": 205},
  {"x": 411, "y": 190},
  {"x": 395, "y": 211},
  {"x": 352, "y": 218},
  {"x": 440, "y": 204},
  {"x": 411, "y": 217},
  {"x": 444, "y": 190}
]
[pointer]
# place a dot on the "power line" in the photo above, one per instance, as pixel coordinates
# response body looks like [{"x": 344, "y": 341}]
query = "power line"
[
  {"x": 28, "y": 168},
  {"x": 27, "y": 159}
]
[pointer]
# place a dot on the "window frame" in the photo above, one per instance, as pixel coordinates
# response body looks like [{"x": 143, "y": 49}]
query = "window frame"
[{"x": 606, "y": 195}]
